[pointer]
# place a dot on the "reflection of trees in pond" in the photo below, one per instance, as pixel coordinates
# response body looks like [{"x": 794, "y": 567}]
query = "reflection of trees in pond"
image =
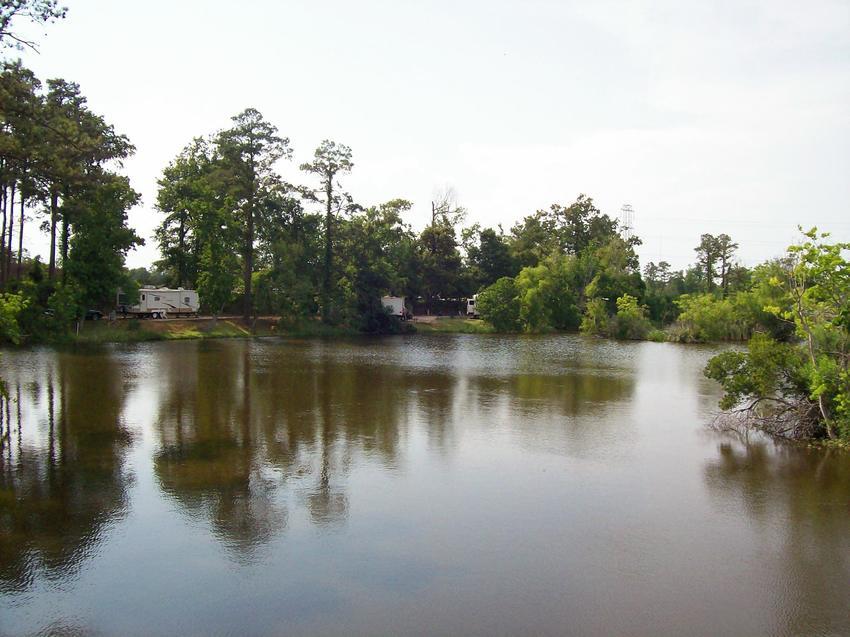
[
  {"x": 809, "y": 491},
  {"x": 62, "y": 485},
  {"x": 238, "y": 420},
  {"x": 571, "y": 393},
  {"x": 207, "y": 459},
  {"x": 434, "y": 395},
  {"x": 561, "y": 412},
  {"x": 256, "y": 422}
]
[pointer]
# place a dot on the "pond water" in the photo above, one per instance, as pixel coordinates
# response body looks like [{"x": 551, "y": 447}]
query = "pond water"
[{"x": 439, "y": 485}]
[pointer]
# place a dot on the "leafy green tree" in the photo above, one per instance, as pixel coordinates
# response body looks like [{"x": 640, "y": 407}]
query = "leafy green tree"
[
  {"x": 374, "y": 245},
  {"x": 147, "y": 278},
  {"x": 290, "y": 259},
  {"x": 66, "y": 306},
  {"x": 725, "y": 253},
  {"x": 218, "y": 264},
  {"x": 249, "y": 151},
  {"x": 548, "y": 295},
  {"x": 439, "y": 261},
  {"x": 489, "y": 258},
  {"x": 660, "y": 292},
  {"x": 20, "y": 107},
  {"x": 798, "y": 391},
  {"x": 819, "y": 287},
  {"x": 596, "y": 318},
  {"x": 656, "y": 276},
  {"x": 101, "y": 239},
  {"x": 534, "y": 291},
  {"x": 217, "y": 275},
  {"x": 704, "y": 318},
  {"x": 566, "y": 229},
  {"x": 707, "y": 253},
  {"x": 11, "y": 307},
  {"x": 714, "y": 259},
  {"x": 329, "y": 160},
  {"x": 631, "y": 321},
  {"x": 500, "y": 306},
  {"x": 531, "y": 240},
  {"x": 615, "y": 270},
  {"x": 766, "y": 301},
  {"x": 766, "y": 388},
  {"x": 77, "y": 145},
  {"x": 183, "y": 185}
]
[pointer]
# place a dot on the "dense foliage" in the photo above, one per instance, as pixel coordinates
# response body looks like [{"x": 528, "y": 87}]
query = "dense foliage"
[
  {"x": 799, "y": 389},
  {"x": 59, "y": 158}
]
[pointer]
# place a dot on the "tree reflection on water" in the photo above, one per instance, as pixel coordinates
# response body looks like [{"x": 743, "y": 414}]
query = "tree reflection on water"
[{"x": 61, "y": 488}]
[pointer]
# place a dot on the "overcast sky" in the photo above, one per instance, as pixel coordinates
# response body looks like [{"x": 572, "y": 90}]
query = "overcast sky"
[{"x": 704, "y": 116}]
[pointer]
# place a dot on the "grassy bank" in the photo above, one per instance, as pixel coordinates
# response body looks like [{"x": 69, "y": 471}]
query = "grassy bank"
[
  {"x": 453, "y": 326},
  {"x": 132, "y": 331},
  {"x": 137, "y": 331}
]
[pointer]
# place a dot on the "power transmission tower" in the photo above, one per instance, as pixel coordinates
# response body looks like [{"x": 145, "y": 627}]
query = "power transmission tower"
[{"x": 627, "y": 221}]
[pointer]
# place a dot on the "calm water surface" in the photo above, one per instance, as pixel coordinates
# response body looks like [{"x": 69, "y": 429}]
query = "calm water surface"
[{"x": 450, "y": 485}]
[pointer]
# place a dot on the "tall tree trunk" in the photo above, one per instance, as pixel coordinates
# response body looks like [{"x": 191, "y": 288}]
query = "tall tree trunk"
[
  {"x": 3, "y": 201},
  {"x": 326, "y": 283},
  {"x": 249, "y": 259},
  {"x": 21, "y": 236},
  {"x": 11, "y": 227},
  {"x": 249, "y": 241},
  {"x": 66, "y": 231},
  {"x": 54, "y": 214},
  {"x": 181, "y": 251}
]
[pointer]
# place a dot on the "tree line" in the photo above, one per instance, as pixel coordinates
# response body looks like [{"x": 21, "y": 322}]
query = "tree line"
[
  {"x": 60, "y": 160},
  {"x": 249, "y": 240},
  {"x": 59, "y": 165},
  {"x": 305, "y": 250}
]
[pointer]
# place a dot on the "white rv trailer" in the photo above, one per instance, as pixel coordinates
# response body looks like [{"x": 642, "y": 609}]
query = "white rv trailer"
[
  {"x": 162, "y": 303},
  {"x": 395, "y": 305},
  {"x": 472, "y": 307}
]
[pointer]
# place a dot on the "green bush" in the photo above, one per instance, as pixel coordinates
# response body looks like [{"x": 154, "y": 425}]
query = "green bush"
[
  {"x": 11, "y": 306},
  {"x": 499, "y": 305},
  {"x": 64, "y": 304},
  {"x": 705, "y": 317},
  {"x": 631, "y": 320},
  {"x": 547, "y": 296},
  {"x": 595, "y": 319},
  {"x": 657, "y": 336}
]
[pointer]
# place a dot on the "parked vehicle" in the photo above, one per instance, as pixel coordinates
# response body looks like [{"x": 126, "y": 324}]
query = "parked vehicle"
[
  {"x": 396, "y": 306},
  {"x": 94, "y": 315},
  {"x": 161, "y": 303},
  {"x": 472, "y": 307}
]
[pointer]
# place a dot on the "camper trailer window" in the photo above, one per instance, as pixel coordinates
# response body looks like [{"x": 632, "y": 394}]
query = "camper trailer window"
[
  {"x": 186, "y": 300},
  {"x": 143, "y": 297},
  {"x": 156, "y": 298}
]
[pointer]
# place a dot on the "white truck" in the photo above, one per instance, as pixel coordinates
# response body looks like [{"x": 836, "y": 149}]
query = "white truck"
[
  {"x": 395, "y": 306},
  {"x": 472, "y": 307},
  {"x": 161, "y": 303}
]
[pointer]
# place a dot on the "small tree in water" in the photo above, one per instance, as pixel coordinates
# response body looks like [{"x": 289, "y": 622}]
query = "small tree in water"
[{"x": 797, "y": 390}]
